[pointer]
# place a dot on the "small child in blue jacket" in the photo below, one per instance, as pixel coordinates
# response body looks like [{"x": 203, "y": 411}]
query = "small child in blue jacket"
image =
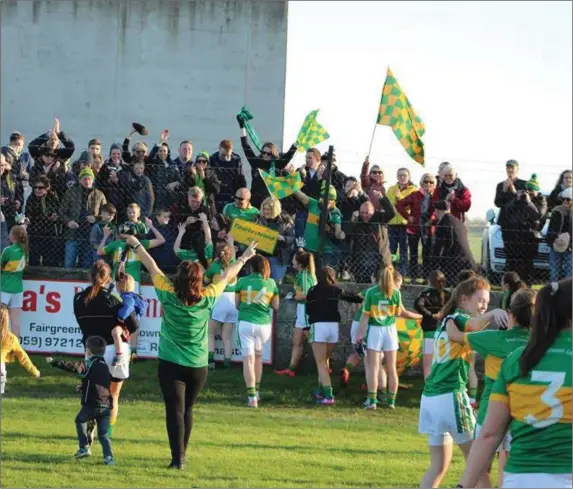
[{"x": 134, "y": 306}]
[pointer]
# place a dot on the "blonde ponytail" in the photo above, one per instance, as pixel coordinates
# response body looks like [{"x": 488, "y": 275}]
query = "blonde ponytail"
[{"x": 386, "y": 281}]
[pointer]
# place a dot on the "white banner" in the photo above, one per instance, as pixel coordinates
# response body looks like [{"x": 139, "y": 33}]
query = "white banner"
[{"x": 48, "y": 324}]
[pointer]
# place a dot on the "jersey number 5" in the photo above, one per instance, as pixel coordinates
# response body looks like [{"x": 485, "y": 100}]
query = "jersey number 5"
[{"x": 556, "y": 380}]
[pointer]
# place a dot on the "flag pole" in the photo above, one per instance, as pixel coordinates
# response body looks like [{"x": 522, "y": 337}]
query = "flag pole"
[
  {"x": 324, "y": 208},
  {"x": 376, "y": 124},
  {"x": 372, "y": 140}
]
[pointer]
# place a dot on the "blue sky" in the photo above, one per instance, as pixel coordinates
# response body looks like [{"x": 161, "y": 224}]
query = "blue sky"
[{"x": 491, "y": 80}]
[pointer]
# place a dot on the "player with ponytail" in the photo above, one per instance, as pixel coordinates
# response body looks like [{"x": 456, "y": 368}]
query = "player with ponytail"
[
  {"x": 224, "y": 315},
  {"x": 13, "y": 262},
  {"x": 382, "y": 304},
  {"x": 303, "y": 262}
]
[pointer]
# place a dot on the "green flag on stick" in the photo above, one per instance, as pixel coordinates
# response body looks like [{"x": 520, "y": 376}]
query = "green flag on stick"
[
  {"x": 282, "y": 187},
  {"x": 311, "y": 133},
  {"x": 247, "y": 117}
]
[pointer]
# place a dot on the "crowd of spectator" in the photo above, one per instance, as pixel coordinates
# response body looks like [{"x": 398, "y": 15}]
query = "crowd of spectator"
[{"x": 420, "y": 226}]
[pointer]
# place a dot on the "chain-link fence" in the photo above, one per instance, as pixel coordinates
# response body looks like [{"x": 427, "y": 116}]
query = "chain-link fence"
[
  {"x": 66, "y": 221},
  {"x": 356, "y": 258}
]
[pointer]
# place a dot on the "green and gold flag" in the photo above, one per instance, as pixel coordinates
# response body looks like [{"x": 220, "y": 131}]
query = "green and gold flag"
[
  {"x": 410, "y": 341},
  {"x": 396, "y": 112},
  {"x": 311, "y": 133},
  {"x": 282, "y": 187}
]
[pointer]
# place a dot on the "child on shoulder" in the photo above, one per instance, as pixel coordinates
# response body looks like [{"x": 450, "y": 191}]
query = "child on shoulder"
[{"x": 134, "y": 306}]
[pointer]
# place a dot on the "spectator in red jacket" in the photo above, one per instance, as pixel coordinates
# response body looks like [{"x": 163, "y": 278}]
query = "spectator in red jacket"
[
  {"x": 418, "y": 209},
  {"x": 452, "y": 190}
]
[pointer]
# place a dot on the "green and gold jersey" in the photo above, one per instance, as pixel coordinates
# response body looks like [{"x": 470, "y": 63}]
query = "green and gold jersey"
[
  {"x": 233, "y": 212},
  {"x": 494, "y": 346},
  {"x": 13, "y": 263},
  {"x": 183, "y": 337},
  {"x": 132, "y": 264},
  {"x": 450, "y": 362},
  {"x": 214, "y": 273},
  {"x": 381, "y": 309},
  {"x": 311, "y": 234},
  {"x": 191, "y": 255},
  {"x": 302, "y": 282},
  {"x": 540, "y": 407},
  {"x": 256, "y": 294}
]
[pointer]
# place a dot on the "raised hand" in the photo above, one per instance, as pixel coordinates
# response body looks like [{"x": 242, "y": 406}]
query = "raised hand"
[
  {"x": 300, "y": 242},
  {"x": 250, "y": 251},
  {"x": 164, "y": 135}
]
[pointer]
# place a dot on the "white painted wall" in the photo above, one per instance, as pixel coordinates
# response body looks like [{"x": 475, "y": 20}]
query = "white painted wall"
[{"x": 184, "y": 65}]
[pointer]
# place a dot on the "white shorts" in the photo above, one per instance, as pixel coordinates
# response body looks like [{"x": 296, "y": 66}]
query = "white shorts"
[
  {"x": 445, "y": 417},
  {"x": 382, "y": 338},
  {"x": 121, "y": 371},
  {"x": 354, "y": 331},
  {"x": 2, "y": 377},
  {"x": 323, "y": 333},
  {"x": 530, "y": 481},
  {"x": 225, "y": 310},
  {"x": 428, "y": 346},
  {"x": 252, "y": 337},
  {"x": 505, "y": 443},
  {"x": 12, "y": 300},
  {"x": 301, "y": 318}
]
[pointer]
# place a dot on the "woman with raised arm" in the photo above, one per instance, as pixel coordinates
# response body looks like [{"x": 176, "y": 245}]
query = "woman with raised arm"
[
  {"x": 269, "y": 161},
  {"x": 183, "y": 344}
]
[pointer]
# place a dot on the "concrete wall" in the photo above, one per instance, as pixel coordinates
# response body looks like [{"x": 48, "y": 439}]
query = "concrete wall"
[
  {"x": 285, "y": 318},
  {"x": 184, "y": 65}
]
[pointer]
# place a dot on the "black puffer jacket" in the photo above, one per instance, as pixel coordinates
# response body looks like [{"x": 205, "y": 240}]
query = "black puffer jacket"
[{"x": 99, "y": 316}]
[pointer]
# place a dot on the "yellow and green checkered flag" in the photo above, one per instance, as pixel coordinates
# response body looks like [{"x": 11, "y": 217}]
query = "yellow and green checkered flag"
[
  {"x": 311, "y": 133},
  {"x": 396, "y": 112},
  {"x": 282, "y": 187},
  {"x": 410, "y": 341}
]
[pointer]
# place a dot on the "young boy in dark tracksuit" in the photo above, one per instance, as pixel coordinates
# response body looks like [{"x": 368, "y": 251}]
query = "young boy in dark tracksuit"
[{"x": 96, "y": 396}]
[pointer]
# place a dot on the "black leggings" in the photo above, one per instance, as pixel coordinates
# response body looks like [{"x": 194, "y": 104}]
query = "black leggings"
[{"x": 180, "y": 387}]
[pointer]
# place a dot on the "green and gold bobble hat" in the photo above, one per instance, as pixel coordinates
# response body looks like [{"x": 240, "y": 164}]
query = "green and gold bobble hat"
[
  {"x": 331, "y": 191},
  {"x": 533, "y": 184}
]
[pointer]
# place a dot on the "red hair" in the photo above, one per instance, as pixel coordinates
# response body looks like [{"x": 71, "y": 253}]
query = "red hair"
[{"x": 188, "y": 282}]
